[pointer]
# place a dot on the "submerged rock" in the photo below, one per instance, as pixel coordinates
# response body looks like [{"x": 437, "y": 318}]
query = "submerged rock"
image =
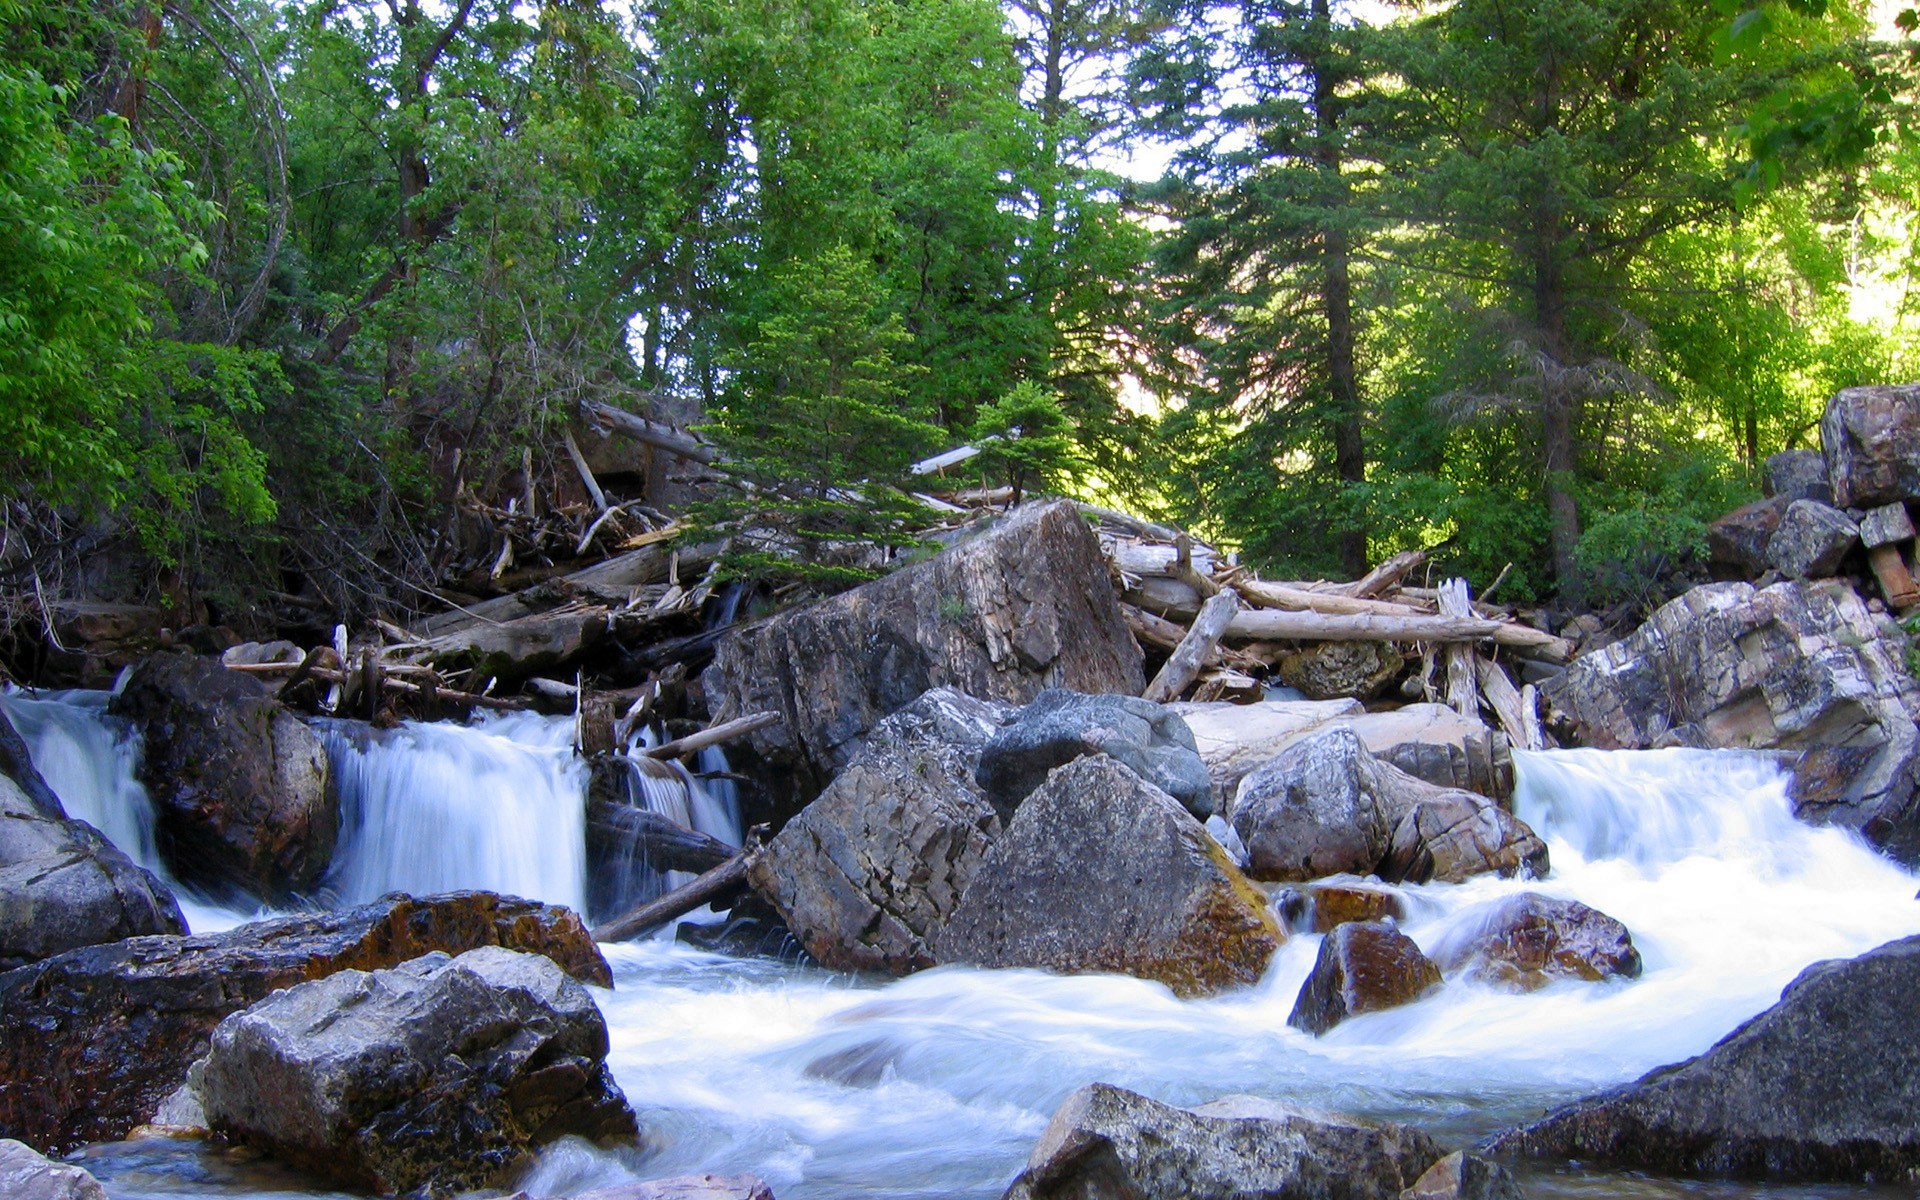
[
  {"x": 1362, "y": 967},
  {"x": 63, "y": 885},
  {"x": 442, "y": 1073},
  {"x": 26, "y": 1175},
  {"x": 1871, "y": 439},
  {"x": 117, "y": 1025},
  {"x": 1059, "y": 726},
  {"x": 1105, "y": 1143},
  {"x": 242, "y": 788},
  {"x": 1102, "y": 871},
  {"x": 1326, "y": 806},
  {"x": 1021, "y": 607},
  {"x": 867, "y": 875},
  {"x": 1824, "y": 1085},
  {"x": 1527, "y": 941},
  {"x": 1463, "y": 1176},
  {"x": 1796, "y": 666}
]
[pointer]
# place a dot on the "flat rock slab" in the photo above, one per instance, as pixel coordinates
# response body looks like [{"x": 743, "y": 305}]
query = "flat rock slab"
[
  {"x": 1105, "y": 1143},
  {"x": 92, "y": 1040},
  {"x": 441, "y": 1074},
  {"x": 1102, "y": 871},
  {"x": 1022, "y": 606},
  {"x": 1825, "y": 1085}
]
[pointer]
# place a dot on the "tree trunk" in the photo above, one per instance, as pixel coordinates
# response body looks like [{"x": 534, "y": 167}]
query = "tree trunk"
[{"x": 1349, "y": 439}]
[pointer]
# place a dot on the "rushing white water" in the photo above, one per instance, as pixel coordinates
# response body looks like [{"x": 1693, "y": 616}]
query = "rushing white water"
[
  {"x": 497, "y": 805},
  {"x": 88, "y": 759}
]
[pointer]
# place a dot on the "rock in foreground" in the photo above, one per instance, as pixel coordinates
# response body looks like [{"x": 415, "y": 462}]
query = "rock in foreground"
[
  {"x": 1796, "y": 666},
  {"x": 1463, "y": 1176},
  {"x": 867, "y": 875},
  {"x": 1825, "y": 1085},
  {"x": 442, "y": 1073},
  {"x": 243, "y": 789},
  {"x": 25, "y": 1175},
  {"x": 1363, "y": 967},
  {"x": 91, "y": 1041},
  {"x": 1022, "y": 607},
  {"x": 1102, "y": 871},
  {"x": 1105, "y": 1143},
  {"x": 62, "y": 886},
  {"x": 1527, "y": 941}
]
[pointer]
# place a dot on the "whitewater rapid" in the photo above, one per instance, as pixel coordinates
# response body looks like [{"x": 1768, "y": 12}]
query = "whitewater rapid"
[{"x": 833, "y": 1087}]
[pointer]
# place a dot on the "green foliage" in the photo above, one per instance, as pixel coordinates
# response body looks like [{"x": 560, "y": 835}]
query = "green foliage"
[{"x": 1026, "y": 439}]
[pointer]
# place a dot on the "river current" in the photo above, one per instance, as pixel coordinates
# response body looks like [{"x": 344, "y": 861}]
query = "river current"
[{"x": 832, "y": 1087}]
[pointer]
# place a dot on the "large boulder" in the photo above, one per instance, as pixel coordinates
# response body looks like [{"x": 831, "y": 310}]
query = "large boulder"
[
  {"x": 1811, "y": 541},
  {"x": 1060, "y": 726},
  {"x": 1524, "y": 942},
  {"x": 1737, "y": 542},
  {"x": 1327, "y": 806},
  {"x": 1825, "y": 1085},
  {"x": 1337, "y": 670},
  {"x": 1871, "y": 439},
  {"x": 1105, "y": 1143},
  {"x": 1430, "y": 741},
  {"x": 62, "y": 885},
  {"x": 1021, "y": 607},
  {"x": 242, "y": 787},
  {"x": 1801, "y": 667},
  {"x": 867, "y": 875},
  {"x": 1102, "y": 871},
  {"x": 92, "y": 1040},
  {"x": 1797, "y": 475},
  {"x": 443, "y": 1073},
  {"x": 1362, "y": 967},
  {"x": 26, "y": 1175},
  {"x": 1326, "y": 904}
]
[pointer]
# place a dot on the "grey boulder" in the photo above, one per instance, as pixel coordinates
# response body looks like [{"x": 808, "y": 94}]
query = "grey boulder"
[
  {"x": 443, "y": 1073},
  {"x": 1463, "y": 1176},
  {"x": 1824, "y": 1085},
  {"x": 1105, "y": 1143},
  {"x": 1524, "y": 942},
  {"x": 1102, "y": 871},
  {"x": 1798, "y": 475},
  {"x": 1811, "y": 541},
  {"x": 867, "y": 875},
  {"x": 26, "y": 1175},
  {"x": 1060, "y": 726},
  {"x": 1737, "y": 542},
  {"x": 1871, "y": 439}
]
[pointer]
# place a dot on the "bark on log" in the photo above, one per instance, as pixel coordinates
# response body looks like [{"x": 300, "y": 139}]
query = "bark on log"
[
  {"x": 1385, "y": 577},
  {"x": 1511, "y": 706},
  {"x": 667, "y": 844},
  {"x": 1272, "y": 625},
  {"x": 713, "y": 735},
  {"x": 1463, "y": 685},
  {"x": 652, "y": 433},
  {"x": 1191, "y": 654},
  {"x": 1297, "y": 599},
  {"x": 722, "y": 881}
]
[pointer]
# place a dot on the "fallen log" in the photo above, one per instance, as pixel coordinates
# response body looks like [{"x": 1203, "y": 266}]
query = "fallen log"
[
  {"x": 1514, "y": 708},
  {"x": 1271, "y": 625},
  {"x": 653, "y": 433},
  {"x": 388, "y": 682},
  {"x": 713, "y": 735},
  {"x": 1463, "y": 684},
  {"x": 666, "y": 844},
  {"x": 1298, "y": 599},
  {"x": 717, "y": 884},
  {"x": 1189, "y": 657},
  {"x": 1385, "y": 577},
  {"x": 608, "y": 582},
  {"x": 1151, "y": 630}
]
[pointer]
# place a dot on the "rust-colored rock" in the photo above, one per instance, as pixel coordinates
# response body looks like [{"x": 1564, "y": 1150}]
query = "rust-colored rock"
[
  {"x": 1334, "y": 903},
  {"x": 1362, "y": 968},
  {"x": 1737, "y": 542},
  {"x": 92, "y": 1040},
  {"x": 1527, "y": 941}
]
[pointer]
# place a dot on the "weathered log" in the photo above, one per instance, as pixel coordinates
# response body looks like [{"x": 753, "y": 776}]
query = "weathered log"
[
  {"x": 693, "y": 651},
  {"x": 1385, "y": 577},
  {"x": 388, "y": 682},
  {"x": 608, "y": 582},
  {"x": 717, "y": 884},
  {"x": 1272, "y": 625},
  {"x": 1185, "y": 664},
  {"x": 587, "y": 480},
  {"x": 1516, "y": 709},
  {"x": 666, "y": 844},
  {"x": 1463, "y": 686},
  {"x": 653, "y": 433},
  {"x": 1150, "y": 630},
  {"x": 1298, "y": 599},
  {"x": 713, "y": 735}
]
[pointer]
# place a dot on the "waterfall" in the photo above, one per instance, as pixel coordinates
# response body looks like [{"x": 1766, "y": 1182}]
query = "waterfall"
[
  {"x": 623, "y": 876},
  {"x": 89, "y": 759}
]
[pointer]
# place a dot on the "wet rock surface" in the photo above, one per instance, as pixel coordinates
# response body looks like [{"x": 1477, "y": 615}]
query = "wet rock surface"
[
  {"x": 1105, "y": 1143},
  {"x": 1463, "y": 1176},
  {"x": 1102, "y": 871},
  {"x": 1796, "y": 666},
  {"x": 685, "y": 1187},
  {"x": 1527, "y": 941},
  {"x": 1871, "y": 439},
  {"x": 1822, "y": 1086},
  {"x": 92, "y": 1040},
  {"x": 1059, "y": 726},
  {"x": 443, "y": 1073},
  {"x": 1324, "y": 905},
  {"x": 1326, "y": 806},
  {"x": 1362, "y": 967},
  {"x": 26, "y": 1175},
  {"x": 242, "y": 788},
  {"x": 1019, "y": 608},
  {"x": 63, "y": 885},
  {"x": 867, "y": 875}
]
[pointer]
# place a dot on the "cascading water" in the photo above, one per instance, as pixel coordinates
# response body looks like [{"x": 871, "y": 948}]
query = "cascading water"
[
  {"x": 623, "y": 877},
  {"x": 89, "y": 761}
]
